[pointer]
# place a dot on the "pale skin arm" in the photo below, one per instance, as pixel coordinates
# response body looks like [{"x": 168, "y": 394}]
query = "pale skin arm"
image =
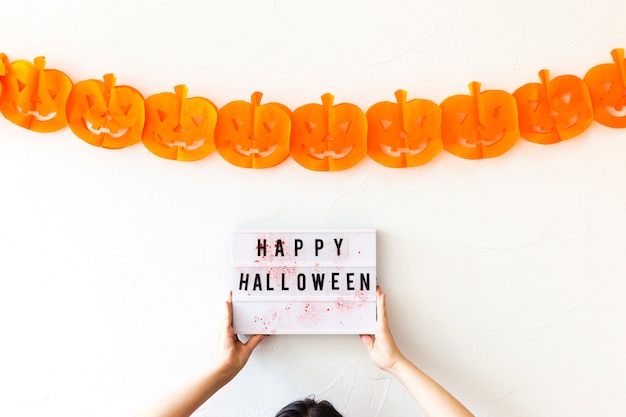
[
  {"x": 432, "y": 397},
  {"x": 233, "y": 355}
]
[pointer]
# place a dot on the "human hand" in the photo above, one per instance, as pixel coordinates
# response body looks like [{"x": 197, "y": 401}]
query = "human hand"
[
  {"x": 233, "y": 354},
  {"x": 382, "y": 347}
]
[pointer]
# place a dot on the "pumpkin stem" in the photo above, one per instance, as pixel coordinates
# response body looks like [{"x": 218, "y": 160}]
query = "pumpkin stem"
[
  {"x": 618, "y": 58},
  {"x": 181, "y": 94},
  {"x": 401, "y": 97},
  {"x": 474, "y": 88},
  {"x": 40, "y": 64},
  {"x": 109, "y": 87},
  {"x": 4, "y": 64},
  {"x": 327, "y": 102},
  {"x": 544, "y": 76},
  {"x": 255, "y": 99}
]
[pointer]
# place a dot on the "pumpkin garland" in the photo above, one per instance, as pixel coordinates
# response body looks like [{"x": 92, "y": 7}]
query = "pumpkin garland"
[{"x": 320, "y": 137}]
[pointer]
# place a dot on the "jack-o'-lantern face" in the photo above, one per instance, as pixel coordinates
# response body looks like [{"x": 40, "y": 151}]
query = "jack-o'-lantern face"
[
  {"x": 553, "y": 110},
  {"x": 328, "y": 138},
  {"x": 106, "y": 115},
  {"x": 607, "y": 88},
  {"x": 481, "y": 125},
  {"x": 253, "y": 135},
  {"x": 404, "y": 134},
  {"x": 34, "y": 97},
  {"x": 178, "y": 127}
]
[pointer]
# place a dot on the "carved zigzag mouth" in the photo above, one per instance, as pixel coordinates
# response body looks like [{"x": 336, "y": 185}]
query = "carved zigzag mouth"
[
  {"x": 181, "y": 144},
  {"x": 398, "y": 152},
  {"x": 254, "y": 151},
  {"x": 540, "y": 129},
  {"x": 40, "y": 117},
  {"x": 485, "y": 142},
  {"x": 571, "y": 122},
  {"x": 327, "y": 154},
  {"x": 104, "y": 130},
  {"x": 614, "y": 112}
]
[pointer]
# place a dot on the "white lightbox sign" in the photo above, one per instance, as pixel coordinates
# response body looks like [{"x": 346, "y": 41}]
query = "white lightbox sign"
[{"x": 304, "y": 281}]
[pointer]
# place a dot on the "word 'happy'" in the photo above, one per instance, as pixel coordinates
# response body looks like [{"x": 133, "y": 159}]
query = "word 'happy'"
[{"x": 298, "y": 245}]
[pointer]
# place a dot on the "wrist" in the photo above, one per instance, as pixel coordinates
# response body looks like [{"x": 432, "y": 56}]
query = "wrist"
[
  {"x": 398, "y": 365},
  {"x": 224, "y": 372}
]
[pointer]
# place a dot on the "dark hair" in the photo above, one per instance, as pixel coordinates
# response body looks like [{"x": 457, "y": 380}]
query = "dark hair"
[{"x": 309, "y": 408}]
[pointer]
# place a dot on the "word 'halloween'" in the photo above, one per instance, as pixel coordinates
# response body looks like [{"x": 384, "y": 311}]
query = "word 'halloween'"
[
  {"x": 316, "y": 281},
  {"x": 298, "y": 245}
]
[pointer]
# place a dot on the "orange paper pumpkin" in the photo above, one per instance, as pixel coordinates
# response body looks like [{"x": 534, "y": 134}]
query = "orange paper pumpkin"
[
  {"x": 178, "y": 127},
  {"x": 404, "y": 134},
  {"x": 106, "y": 115},
  {"x": 481, "y": 125},
  {"x": 553, "y": 110},
  {"x": 328, "y": 138},
  {"x": 607, "y": 87},
  {"x": 34, "y": 97},
  {"x": 253, "y": 135},
  {"x": 4, "y": 64}
]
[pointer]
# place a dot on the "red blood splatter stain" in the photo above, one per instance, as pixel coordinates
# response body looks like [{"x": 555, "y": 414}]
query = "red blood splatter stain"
[
  {"x": 361, "y": 295},
  {"x": 343, "y": 305}
]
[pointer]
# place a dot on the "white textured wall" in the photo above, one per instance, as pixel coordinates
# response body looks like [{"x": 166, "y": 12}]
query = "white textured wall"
[{"x": 506, "y": 277}]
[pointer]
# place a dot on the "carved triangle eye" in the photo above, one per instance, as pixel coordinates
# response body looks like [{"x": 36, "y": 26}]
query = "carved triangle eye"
[
  {"x": 310, "y": 126},
  {"x": 420, "y": 121},
  {"x": 496, "y": 112},
  {"x": 607, "y": 85},
  {"x": 269, "y": 126},
  {"x": 533, "y": 104},
  {"x": 91, "y": 100},
  {"x": 386, "y": 124},
  {"x": 162, "y": 115},
  {"x": 461, "y": 117},
  {"x": 345, "y": 126},
  {"x": 125, "y": 109},
  {"x": 237, "y": 124},
  {"x": 567, "y": 97},
  {"x": 53, "y": 93},
  {"x": 20, "y": 86},
  {"x": 197, "y": 120}
]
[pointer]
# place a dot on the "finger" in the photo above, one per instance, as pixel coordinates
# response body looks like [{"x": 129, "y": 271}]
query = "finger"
[
  {"x": 254, "y": 341},
  {"x": 381, "y": 305},
  {"x": 368, "y": 341},
  {"x": 229, "y": 310}
]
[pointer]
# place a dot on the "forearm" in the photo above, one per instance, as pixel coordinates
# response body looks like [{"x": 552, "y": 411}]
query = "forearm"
[
  {"x": 432, "y": 397},
  {"x": 184, "y": 400}
]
